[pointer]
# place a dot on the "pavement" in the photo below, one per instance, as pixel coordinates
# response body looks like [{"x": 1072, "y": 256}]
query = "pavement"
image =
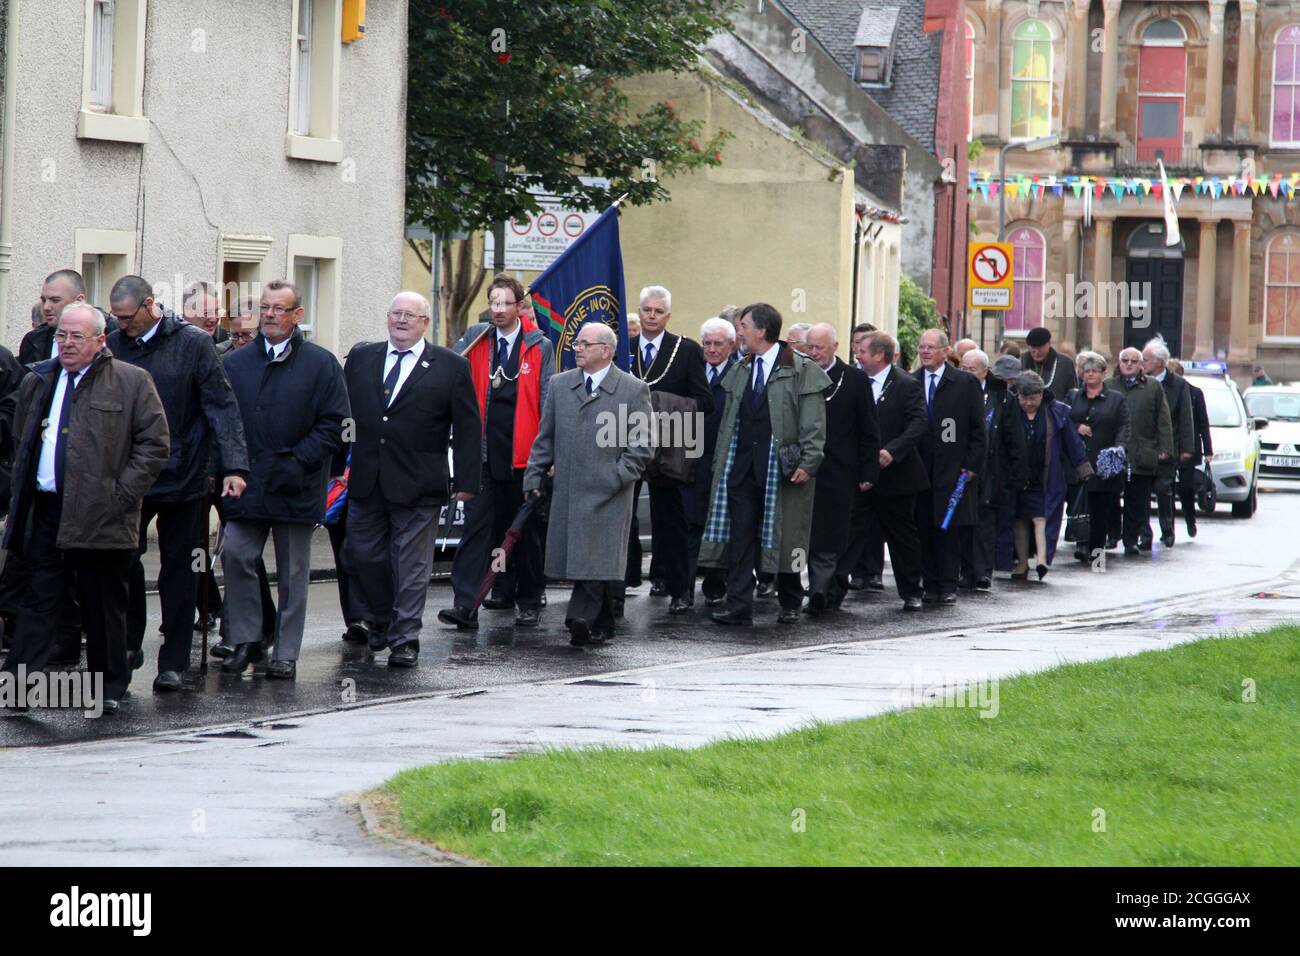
[{"x": 249, "y": 771}]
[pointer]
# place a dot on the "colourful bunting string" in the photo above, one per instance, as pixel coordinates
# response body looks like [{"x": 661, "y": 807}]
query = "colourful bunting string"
[{"x": 1037, "y": 186}]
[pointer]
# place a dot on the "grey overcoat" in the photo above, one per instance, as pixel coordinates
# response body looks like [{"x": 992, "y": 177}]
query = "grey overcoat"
[{"x": 599, "y": 445}]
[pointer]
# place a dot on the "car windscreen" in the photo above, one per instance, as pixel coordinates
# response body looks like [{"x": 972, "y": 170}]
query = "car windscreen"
[
  {"x": 1222, "y": 406},
  {"x": 1278, "y": 406}
]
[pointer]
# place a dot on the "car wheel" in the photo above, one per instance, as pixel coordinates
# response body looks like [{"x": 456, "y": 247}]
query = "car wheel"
[{"x": 1244, "y": 509}]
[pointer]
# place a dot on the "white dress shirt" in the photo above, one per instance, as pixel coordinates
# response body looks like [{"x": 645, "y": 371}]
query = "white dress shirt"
[
  {"x": 275, "y": 351},
  {"x": 878, "y": 382},
  {"x": 768, "y": 359},
  {"x": 657, "y": 341},
  {"x": 509, "y": 337},
  {"x": 408, "y": 364},
  {"x": 938, "y": 379},
  {"x": 50, "y": 436},
  {"x": 595, "y": 378}
]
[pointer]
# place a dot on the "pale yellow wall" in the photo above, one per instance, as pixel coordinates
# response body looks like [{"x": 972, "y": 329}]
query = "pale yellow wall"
[{"x": 773, "y": 223}]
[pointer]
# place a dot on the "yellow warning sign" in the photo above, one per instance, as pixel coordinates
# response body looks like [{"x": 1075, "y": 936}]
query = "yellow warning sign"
[{"x": 991, "y": 276}]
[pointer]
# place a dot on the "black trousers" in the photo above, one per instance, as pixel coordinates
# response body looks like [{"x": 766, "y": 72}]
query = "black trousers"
[
  {"x": 177, "y": 579},
  {"x": 488, "y": 516},
  {"x": 102, "y": 589},
  {"x": 1187, "y": 494},
  {"x": 745, "y": 502},
  {"x": 825, "y": 578},
  {"x": 940, "y": 550},
  {"x": 1101, "y": 521},
  {"x": 865, "y": 556},
  {"x": 1137, "y": 509},
  {"x": 714, "y": 584},
  {"x": 590, "y": 602},
  {"x": 214, "y": 592},
  {"x": 895, "y": 517},
  {"x": 1164, "y": 488},
  {"x": 13, "y": 589},
  {"x": 669, "y": 540},
  {"x": 350, "y": 604},
  {"x": 978, "y": 542},
  {"x": 632, "y": 576}
]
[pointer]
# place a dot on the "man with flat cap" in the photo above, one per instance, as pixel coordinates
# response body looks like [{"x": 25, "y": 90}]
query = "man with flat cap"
[{"x": 1056, "y": 371}]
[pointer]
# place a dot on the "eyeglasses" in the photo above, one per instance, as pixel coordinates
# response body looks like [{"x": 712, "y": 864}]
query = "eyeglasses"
[
  {"x": 498, "y": 304},
  {"x": 646, "y": 310},
  {"x": 404, "y": 314},
  {"x": 76, "y": 338},
  {"x": 1129, "y": 361},
  {"x": 587, "y": 345},
  {"x": 275, "y": 309}
]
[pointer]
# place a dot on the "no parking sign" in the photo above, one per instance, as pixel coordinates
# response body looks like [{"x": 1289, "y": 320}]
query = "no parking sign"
[{"x": 990, "y": 277}]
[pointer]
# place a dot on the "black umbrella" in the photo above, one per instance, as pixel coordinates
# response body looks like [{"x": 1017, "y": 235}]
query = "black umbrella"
[{"x": 513, "y": 534}]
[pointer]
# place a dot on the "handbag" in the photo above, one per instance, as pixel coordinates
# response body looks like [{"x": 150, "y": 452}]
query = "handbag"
[
  {"x": 787, "y": 457},
  {"x": 1079, "y": 525}
]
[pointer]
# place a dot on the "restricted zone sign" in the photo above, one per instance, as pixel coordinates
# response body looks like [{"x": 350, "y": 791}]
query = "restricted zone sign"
[{"x": 991, "y": 275}]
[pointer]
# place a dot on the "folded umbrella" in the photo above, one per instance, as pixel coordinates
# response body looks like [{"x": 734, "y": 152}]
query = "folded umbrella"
[
  {"x": 955, "y": 499},
  {"x": 513, "y": 534}
]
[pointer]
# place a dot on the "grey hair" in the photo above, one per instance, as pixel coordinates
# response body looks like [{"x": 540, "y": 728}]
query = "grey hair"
[
  {"x": 803, "y": 327},
  {"x": 943, "y": 337},
  {"x": 656, "y": 292},
  {"x": 97, "y": 317},
  {"x": 827, "y": 328},
  {"x": 1029, "y": 383},
  {"x": 424, "y": 303},
  {"x": 1159, "y": 350},
  {"x": 980, "y": 356},
  {"x": 1091, "y": 361},
  {"x": 720, "y": 325},
  {"x": 605, "y": 336}
]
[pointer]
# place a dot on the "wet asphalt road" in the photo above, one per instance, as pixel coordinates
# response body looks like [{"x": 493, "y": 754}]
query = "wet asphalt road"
[{"x": 336, "y": 675}]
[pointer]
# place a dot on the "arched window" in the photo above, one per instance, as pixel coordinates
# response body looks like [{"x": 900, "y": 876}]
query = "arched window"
[
  {"x": 1026, "y": 310},
  {"x": 1031, "y": 81},
  {"x": 970, "y": 80},
  {"x": 1162, "y": 88},
  {"x": 1282, "y": 288},
  {"x": 1286, "y": 87}
]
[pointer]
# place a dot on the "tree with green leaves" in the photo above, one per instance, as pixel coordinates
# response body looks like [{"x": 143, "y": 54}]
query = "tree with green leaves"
[{"x": 505, "y": 96}]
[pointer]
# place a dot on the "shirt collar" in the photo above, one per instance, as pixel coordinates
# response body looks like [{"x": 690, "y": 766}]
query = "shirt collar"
[
  {"x": 148, "y": 335},
  {"x": 656, "y": 341},
  {"x": 510, "y": 338},
  {"x": 879, "y": 377},
  {"x": 277, "y": 350},
  {"x": 416, "y": 350},
  {"x": 937, "y": 373},
  {"x": 1161, "y": 377},
  {"x": 598, "y": 377}
]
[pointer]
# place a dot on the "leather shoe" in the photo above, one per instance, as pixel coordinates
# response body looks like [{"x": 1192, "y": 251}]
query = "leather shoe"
[
  {"x": 221, "y": 651},
  {"x": 600, "y": 636},
  {"x": 1130, "y": 549},
  {"x": 817, "y": 603},
  {"x": 1167, "y": 540},
  {"x": 463, "y": 618},
  {"x": 732, "y": 617},
  {"x": 167, "y": 681},
  {"x": 912, "y": 604},
  {"x": 983, "y": 585},
  {"x": 358, "y": 632},
  {"x": 111, "y": 707},
  {"x": 875, "y": 584},
  {"x": 714, "y": 602},
  {"x": 527, "y": 617},
  {"x": 244, "y": 655},
  {"x": 657, "y": 589},
  {"x": 949, "y": 598},
  {"x": 378, "y": 639},
  {"x": 681, "y": 605},
  {"x": 766, "y": 590},
  {"x": 283, "y": 670},
  {"x": 404, "y": 656},
  {"x": 929, "y": 597},
  {"x": 497, "y": 604},
  {"x": 856, "y": 583},
  {"x": 579, "y": 633},
  {"x": 1191, "y": 527},
  {"x": 137, "y": 661},
  {"x": 616, "y": 607},
  {"x": 789, "y": 615},
  {"x": 1145, "y": 545},
  {"x": 212, "y": 623}
]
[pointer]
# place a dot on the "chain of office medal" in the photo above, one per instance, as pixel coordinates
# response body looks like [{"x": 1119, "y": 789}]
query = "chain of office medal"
[{"x": 643, "y": 370}]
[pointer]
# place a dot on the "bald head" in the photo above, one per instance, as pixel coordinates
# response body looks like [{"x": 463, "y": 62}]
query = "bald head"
[
  {"x": 820, "y": 344},
  {"x": 965, "y": 345},
  {"x": 408, "y": 319},
  {"x": 975, "y": 361},
  {"x": 933, "y": 348}
]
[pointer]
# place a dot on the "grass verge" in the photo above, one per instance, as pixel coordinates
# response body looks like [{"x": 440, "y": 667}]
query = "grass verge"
[{"x": 1159, "y": 748}]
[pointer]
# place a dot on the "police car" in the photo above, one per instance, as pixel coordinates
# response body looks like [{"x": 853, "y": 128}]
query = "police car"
[
  {"x": 1280, "y": 448},
  {"x": 1234, "y": 434}
]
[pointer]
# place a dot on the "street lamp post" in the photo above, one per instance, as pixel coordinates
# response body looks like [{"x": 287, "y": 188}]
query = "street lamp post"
[{"x": 1029, "y": 146}]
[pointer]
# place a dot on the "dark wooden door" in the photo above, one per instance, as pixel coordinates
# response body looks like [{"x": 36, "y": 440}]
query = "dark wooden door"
[{"x": 1158, "y": 283}]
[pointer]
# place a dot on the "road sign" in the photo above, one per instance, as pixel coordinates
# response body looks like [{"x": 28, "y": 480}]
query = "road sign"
[
  {"x": 534, "y": 242},
  {"x": 991, "y": 275}
]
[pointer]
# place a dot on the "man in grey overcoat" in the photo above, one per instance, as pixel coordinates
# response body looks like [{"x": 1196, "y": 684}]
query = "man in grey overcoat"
[{"x": 595, "y": 439}]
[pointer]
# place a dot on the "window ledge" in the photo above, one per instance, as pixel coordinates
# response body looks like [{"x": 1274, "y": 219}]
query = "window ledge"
[
  {"x": 111, "y": 126},
  {"x": 312, "y": 148}
]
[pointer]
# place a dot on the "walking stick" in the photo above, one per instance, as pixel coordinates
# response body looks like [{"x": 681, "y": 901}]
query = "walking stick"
[{"x": 207, "y": 576}]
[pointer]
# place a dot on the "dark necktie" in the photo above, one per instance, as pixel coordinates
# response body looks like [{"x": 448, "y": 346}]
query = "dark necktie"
[
  {"x": 929, "y": 398},
  {"x": 390, "y": 382},
  {"x": 649, "y": 356},
  {"x": 590, "y": 385},
  {"x": 270, "y": 353},
  {"x": 758, "y": 382},
  {"x": 61, "y": 442},
  {"x": 713, "y": 376},
  {"x": 503, "y": 352}
]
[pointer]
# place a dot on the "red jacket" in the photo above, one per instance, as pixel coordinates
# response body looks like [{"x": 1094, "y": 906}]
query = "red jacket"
[{"x": 536, "y": 363}]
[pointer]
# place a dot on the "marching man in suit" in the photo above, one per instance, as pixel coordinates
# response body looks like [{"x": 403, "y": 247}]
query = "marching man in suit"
[
  {"x": 675, "y": 365},
  {"x": 900, "y": 413},
  {"x": 511, "y": 364},
  {"x": 409, "y": 400},
  {"x": 953, "y": 442},
  {"x": 592, "y": 500}
]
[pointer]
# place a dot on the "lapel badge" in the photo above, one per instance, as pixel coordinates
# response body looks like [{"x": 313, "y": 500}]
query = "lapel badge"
[{"x": 424, "y": 364}]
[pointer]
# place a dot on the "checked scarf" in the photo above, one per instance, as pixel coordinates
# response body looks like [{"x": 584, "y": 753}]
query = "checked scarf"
[{"x": 718, "y": 527}]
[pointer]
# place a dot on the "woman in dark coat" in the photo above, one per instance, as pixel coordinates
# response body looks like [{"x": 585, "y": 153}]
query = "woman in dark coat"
[
  {"x": 1100, "y": 416},
  {"x": 1046, "y": 445}
]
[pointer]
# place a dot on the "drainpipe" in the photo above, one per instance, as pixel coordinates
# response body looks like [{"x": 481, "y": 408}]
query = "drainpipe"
[{"x": 7, "y": 157}]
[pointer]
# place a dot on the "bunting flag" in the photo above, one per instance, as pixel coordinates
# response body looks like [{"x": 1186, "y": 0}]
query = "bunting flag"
[{"x": 1280, "y": 186}]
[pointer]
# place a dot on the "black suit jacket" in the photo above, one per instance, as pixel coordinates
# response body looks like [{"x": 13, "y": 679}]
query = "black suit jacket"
[
  {"x": 954, "y": 440},
  {"x": 852, "y": 455},
  {"x": 695, "y": 496},
  {"x": 681, "y": 374},
  {"x": 900, "y": 413},
  {"x": 400, "y": 450},
  {"x": 1203, "y": 446}
]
